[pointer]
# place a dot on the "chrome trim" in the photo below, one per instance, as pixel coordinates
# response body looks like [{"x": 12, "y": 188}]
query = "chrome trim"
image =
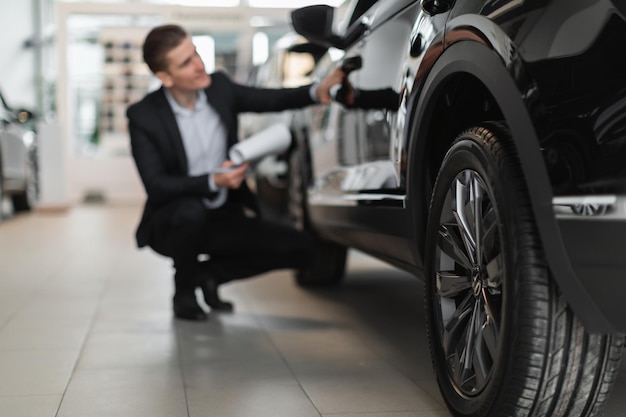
[
  {"x": 601, "y": 207},
  {"x": 352, "y": 200},
  {"x": 331, "y": 200}
]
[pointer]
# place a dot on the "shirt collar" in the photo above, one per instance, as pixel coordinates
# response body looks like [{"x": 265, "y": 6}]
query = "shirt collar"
[{"x": 201, "y": 104}]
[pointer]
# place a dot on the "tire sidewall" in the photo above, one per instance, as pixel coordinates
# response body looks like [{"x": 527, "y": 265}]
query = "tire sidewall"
[{"x": 328, "y": 263}]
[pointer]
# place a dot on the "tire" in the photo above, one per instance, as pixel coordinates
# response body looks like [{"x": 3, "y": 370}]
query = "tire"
[
  {"x": 25, "y": 200},
  {"x": 503, "y": 340},
  {"x": 272, "y": 200},
  {"x": 1, "y": 190},
  {"x": 329, "y": 260}
]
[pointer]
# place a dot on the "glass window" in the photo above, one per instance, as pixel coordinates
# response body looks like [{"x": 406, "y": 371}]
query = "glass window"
[
  {"x": 106, "y": 73},
  {"x": 291, "y": 4}
]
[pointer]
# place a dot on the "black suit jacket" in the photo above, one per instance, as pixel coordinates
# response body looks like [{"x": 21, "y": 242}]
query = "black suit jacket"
[{"x": 157, "y": 145}]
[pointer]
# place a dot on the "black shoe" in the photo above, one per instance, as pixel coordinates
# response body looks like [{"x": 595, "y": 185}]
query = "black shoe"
[
  {"x": 186, "y": 307},
  {"x": 212, "y": 298}
]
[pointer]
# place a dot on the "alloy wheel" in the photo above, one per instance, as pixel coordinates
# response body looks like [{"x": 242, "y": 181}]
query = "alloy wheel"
[{"x": 469, "y": 266}]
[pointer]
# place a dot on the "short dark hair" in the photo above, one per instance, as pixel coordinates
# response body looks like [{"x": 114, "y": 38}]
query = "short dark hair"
[{"x": 159, "y": 42}]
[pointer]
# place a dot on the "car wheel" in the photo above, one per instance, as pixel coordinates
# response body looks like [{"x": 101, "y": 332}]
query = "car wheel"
[
  {"x": 328, "y": 265},
  {"x": 25, "y": 200},
  {"x": 272, "y": 200},
  {"x": 1, "y": 190},
  {"x": 503, "y": 340}
]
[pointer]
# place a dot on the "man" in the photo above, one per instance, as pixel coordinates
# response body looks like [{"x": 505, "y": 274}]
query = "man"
[{"x": 195, "y": 213}]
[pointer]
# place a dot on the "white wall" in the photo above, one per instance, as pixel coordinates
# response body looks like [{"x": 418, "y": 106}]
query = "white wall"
[{"x": 17, "y": 64}]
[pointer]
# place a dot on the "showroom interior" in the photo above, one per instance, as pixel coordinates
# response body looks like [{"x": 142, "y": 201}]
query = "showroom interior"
[{"x": 86, "y": 324}]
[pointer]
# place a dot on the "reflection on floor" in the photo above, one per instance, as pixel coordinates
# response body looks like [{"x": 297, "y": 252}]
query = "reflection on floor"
[{"x": 86, "y": 331}]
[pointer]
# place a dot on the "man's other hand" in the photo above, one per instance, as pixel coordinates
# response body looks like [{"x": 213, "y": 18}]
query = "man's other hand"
[{"x": 231, "y": 179}]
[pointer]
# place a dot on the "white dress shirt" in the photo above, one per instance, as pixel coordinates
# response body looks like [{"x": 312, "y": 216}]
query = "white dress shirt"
[{"x": 204, "y": 139}]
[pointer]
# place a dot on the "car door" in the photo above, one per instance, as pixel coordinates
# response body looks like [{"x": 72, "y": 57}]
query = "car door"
[
  {"x": 392, "y": 53},
  {"x": 383, "y": 53},
  {"x": 336, "y": 132},
  {"x": 362, "y": 185},
  {"x": 332, "y": 130}
]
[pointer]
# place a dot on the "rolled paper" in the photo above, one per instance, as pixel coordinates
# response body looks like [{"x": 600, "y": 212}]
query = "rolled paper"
[{"x": 272, "y": 140}]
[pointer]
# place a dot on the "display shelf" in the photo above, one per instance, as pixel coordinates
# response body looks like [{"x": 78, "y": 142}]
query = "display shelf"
[{"x": 126, "y": 79}]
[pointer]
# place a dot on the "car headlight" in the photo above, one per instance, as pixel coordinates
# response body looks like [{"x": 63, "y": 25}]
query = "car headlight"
[{"x": 29, "y": 139}]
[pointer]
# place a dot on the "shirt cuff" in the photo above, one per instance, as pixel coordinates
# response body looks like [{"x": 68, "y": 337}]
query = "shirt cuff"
[
  {"x": 313, "y": 92},
  {"x": 212, "y": 186}
]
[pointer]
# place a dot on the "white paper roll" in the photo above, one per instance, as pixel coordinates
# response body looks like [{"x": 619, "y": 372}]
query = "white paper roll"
[{"x": 269, "y": 141}]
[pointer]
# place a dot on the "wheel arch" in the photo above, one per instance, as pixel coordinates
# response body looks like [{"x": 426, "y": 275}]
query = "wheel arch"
[{"x": 468, "y": 84}]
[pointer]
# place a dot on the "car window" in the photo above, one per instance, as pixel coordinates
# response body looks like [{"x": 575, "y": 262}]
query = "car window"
[
  {"x": 361, "y": 7},
  {"x": 349, "y": 12},
  {"x": 5, "y": 111},
  {"x": 4, "y": 108}
]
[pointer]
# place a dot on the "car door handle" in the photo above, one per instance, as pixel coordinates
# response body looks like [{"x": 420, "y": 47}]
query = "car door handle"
[
  {"x": 341, "y": 92},
  {"x": 434, "y": 7},
  {"x": 351, "y": 64},
  {"x": 417, "y": 46}
]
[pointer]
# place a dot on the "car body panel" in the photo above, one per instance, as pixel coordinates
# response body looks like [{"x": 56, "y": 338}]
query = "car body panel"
[{"x": 358, "y": 155}]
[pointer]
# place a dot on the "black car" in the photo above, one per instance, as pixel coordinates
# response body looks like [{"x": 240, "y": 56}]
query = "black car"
[{"x": 482, "y": 146}]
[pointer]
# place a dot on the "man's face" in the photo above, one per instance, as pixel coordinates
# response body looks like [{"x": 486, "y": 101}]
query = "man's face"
[{"x": 185, "y": 69}]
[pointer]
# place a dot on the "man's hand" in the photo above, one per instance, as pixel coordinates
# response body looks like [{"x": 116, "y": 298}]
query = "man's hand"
[
  {"x": 322, "y": 91},
  {"x": 231, "y": 179}
]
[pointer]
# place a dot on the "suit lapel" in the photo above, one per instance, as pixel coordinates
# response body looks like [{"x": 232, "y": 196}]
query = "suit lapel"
[
  {"x": 212, "y": 96},
  {"x": 215, "y": 103},
  {"x": 171, "y": 127}
]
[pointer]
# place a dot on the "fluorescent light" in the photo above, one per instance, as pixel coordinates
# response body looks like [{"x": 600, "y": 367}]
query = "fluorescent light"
[
  {"x": 291, "y": 4},
  {"x": 200, "y": 3},
  {"x": 260, "y": 48}
]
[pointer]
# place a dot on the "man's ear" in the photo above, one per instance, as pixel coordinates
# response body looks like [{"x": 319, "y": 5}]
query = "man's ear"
[{"x": 165, "y": 78}]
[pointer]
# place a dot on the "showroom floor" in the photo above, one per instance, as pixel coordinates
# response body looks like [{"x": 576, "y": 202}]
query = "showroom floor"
[{"x": 86, "y": 331}]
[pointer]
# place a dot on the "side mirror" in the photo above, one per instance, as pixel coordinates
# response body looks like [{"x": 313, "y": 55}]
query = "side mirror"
[{"x": 316, "y": 24}]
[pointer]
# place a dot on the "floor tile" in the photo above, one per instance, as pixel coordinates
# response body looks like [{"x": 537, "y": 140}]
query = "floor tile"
[
  {"x": 143, "y": 349},
  {"x": 30, "y": 406},
  {"x": 43, "y": 334},
  {"x": 360, "y": 386},
  {"x": 435, "y": 413},
  {"x": 35, "y": 372},
  {"x": 250, "y": 400},
  {"x": 130, "y": 392}
]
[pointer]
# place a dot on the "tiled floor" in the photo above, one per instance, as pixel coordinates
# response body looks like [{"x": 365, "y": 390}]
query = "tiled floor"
[{"x": 86, "y": 331}]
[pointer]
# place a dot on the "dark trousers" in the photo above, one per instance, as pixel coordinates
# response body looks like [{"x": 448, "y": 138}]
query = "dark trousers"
[{"x": 238, "y": 246}]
